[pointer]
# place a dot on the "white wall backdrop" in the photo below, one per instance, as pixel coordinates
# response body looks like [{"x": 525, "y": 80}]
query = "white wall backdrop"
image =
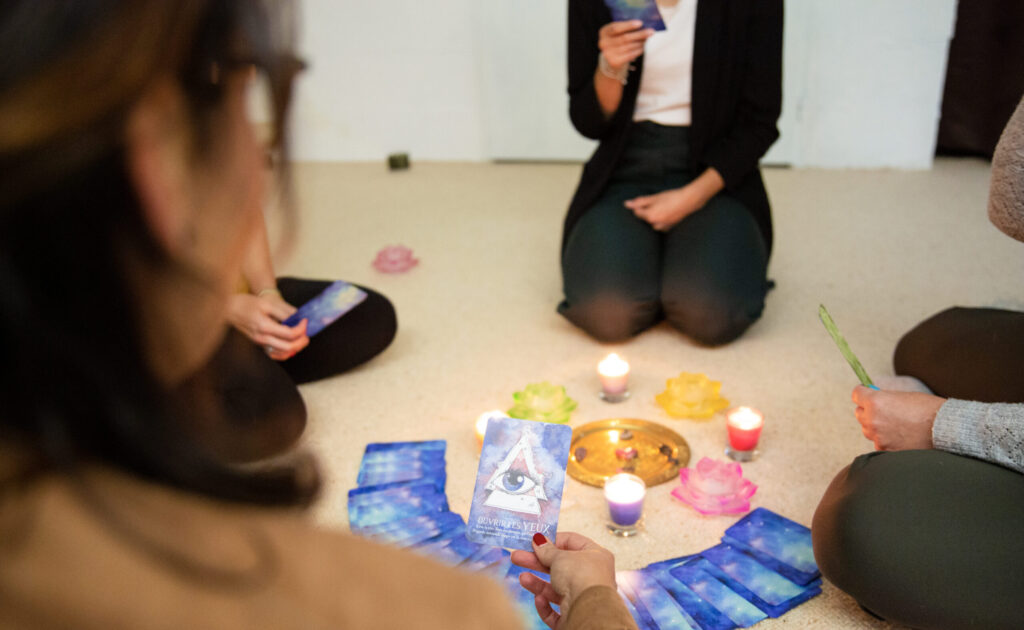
[
  {"x": 481, "y": 80},
  {"x": 388, "y": 76}
]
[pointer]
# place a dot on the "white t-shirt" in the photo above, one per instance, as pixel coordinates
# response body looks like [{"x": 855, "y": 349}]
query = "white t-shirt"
[{"x": 664, "y": 95}]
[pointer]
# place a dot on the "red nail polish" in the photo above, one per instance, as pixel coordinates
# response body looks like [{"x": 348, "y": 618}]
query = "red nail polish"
[{"x": 538, "y": 539}]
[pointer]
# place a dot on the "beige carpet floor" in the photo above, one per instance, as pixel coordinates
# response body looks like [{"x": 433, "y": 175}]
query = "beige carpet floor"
[{"x": 882, "y": 249}]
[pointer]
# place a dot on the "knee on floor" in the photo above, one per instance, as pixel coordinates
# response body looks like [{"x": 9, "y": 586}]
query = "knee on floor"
[
  {"x": 612, "y": 319},
  {"x": 711, "y": 320}
]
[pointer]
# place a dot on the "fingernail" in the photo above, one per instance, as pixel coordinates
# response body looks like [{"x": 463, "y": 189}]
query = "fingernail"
[{"x": 538, "y": 539}]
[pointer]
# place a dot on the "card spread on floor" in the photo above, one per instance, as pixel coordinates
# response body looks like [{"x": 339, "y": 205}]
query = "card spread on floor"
[
  {"x": 713, "y": 591},
  {"x": 519, "y": 482},
  {"x": 776, "y": 542},
  {"x": 700, "y": 613},
  {"x": 337, "y": 299},
  {"x": 644, "y": 10},
  {"x": 523, "y": 598},
  {"x": 426, "y": 446},
  {"x": 643, "y": 589},
  {"x": 763, "y": 567}
]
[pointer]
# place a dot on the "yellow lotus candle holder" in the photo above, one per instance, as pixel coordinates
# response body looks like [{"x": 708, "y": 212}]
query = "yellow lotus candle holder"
[{"x": 692, "y": 396}]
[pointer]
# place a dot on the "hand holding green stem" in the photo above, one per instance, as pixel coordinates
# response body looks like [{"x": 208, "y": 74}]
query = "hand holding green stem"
[{"x": 844, "y": 347}]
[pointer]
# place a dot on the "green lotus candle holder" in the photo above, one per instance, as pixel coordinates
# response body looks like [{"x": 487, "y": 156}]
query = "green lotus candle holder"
[
  {"x": 692, "y": 396},
  {"x": 543, "y": 402}
]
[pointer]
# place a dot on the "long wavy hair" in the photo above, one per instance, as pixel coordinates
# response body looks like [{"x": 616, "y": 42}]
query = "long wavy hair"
[{"x": 75, "y": 386}]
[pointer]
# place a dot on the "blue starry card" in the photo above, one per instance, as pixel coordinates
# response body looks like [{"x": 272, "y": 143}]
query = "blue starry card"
[
  {"x": 519, "y": 482},
  {"x": 337, "y": 299},
  {"x": 523, "y": 599},
  {"x": 707, "y": 586},
  {"x": 643, "y": 590},
  {"x": 701, "y": 613},
  {"x": 645, "y": 10},
  {"x": 776, "y": 542},
  {"x": 762, "y": 587}
]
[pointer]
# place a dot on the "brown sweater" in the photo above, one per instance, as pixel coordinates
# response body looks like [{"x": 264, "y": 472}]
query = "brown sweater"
[{"x": 63, "y": 566}]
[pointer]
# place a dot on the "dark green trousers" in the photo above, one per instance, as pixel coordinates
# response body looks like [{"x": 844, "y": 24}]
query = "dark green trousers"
[
  {"x": 927, "y": 539},
  {"x": 706, "y": 275},
  {"x": 967, "y": 353}
]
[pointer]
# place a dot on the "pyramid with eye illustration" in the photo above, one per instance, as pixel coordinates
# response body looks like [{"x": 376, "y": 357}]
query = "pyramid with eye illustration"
[{"x": 516, "y": 485}]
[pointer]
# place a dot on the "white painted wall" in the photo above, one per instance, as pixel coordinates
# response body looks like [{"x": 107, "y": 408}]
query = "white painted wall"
[
  {"x": 388, "y": 76},
  {"x": 476, "y": 80},
  {"x": 863, "y": 81}
]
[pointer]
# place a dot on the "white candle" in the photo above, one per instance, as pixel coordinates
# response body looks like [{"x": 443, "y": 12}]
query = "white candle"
[{"x": 614, "y": 374}]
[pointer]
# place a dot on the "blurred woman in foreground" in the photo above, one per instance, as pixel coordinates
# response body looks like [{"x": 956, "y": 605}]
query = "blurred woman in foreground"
[{"x": 131, "y": 183}]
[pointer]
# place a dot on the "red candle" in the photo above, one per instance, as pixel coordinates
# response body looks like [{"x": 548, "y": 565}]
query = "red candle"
[{"x": 744, "y": 425}]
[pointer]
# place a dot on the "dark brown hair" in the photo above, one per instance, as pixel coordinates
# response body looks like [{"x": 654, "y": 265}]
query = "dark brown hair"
[{"x": 74, "y": 382}]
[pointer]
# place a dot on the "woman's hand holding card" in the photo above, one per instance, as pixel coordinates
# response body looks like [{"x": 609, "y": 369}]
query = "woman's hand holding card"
[
  {"x": 574, "y": 562},
  {"x": 259, "y": 318}
]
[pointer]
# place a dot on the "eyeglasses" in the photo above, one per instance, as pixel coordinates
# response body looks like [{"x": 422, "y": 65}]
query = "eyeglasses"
[{"x": 268, "y": 94}]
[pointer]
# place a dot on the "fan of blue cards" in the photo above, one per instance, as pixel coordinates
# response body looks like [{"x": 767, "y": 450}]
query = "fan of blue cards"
[
  {"x": 763, "y": 567},
  {"x": 401, "y": 501}
]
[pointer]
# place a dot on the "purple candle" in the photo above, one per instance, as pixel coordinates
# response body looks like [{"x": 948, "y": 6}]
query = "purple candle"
[{"x": 625, "y": 495}]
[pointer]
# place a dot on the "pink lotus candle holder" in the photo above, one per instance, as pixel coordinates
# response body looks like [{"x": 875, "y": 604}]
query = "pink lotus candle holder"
[
  {"x": 715, "y": 487},
  {"x": 692, "y": 396},
  {"x": 395, "y": 259}
]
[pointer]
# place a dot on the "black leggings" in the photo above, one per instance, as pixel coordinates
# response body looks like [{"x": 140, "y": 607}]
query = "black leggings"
[
  {"x": 930, "y": 539},
  {"x": 263, "y": 413}
]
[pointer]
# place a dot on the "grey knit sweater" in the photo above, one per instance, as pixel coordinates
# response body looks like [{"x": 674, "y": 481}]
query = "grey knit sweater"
[
  {"x": 990, "y": 431},
  {"x": 993, "y": 431}
]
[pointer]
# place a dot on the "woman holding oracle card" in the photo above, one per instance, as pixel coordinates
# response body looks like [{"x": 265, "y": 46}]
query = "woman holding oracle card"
[
  {"x": 261, "y": 360},
  {"x": 671, "y": 219},
  {"x": 131, "y": 186},
  {"x": 923, "y": 532}
]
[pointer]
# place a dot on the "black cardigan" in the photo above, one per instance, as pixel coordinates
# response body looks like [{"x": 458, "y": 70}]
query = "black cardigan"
[{"x": 737, "y": 99}]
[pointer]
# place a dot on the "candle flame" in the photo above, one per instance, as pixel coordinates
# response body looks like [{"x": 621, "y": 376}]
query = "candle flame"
[
  {"x": 745, "y": 418},
  {"x": 624, "y": 489},
  {"x": 481, "y": 422},
  {"x": 613, "y": 365}
]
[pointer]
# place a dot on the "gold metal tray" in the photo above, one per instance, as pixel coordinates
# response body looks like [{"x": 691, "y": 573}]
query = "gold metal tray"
[{"x": 660, "y": 451}]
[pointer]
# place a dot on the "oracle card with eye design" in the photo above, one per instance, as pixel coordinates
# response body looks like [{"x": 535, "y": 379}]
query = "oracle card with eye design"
[{"x": 519, "y": 482}]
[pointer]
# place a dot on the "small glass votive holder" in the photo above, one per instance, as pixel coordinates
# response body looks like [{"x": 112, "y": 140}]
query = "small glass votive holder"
[
  {"x": 744, "y": 425},
  {"x": 624, "y": 493},
  {"x": 614, "y": 374}
]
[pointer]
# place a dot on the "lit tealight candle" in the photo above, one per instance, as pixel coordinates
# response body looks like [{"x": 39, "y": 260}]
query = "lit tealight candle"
[
  {"x": 614, "y": 374},
  {"x": 481, "y": 423},
  {"x": 744, "y": 425},
  {"x": 625, "y": 495}
]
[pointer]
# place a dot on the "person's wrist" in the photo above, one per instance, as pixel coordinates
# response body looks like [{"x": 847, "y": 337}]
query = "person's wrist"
[
  {"x": 620, "y": 74},
  {"x": 268, "y": 291}
]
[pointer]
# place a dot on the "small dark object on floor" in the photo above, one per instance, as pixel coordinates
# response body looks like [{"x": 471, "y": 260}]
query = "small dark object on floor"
[{"x": 398, "y": 161}]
